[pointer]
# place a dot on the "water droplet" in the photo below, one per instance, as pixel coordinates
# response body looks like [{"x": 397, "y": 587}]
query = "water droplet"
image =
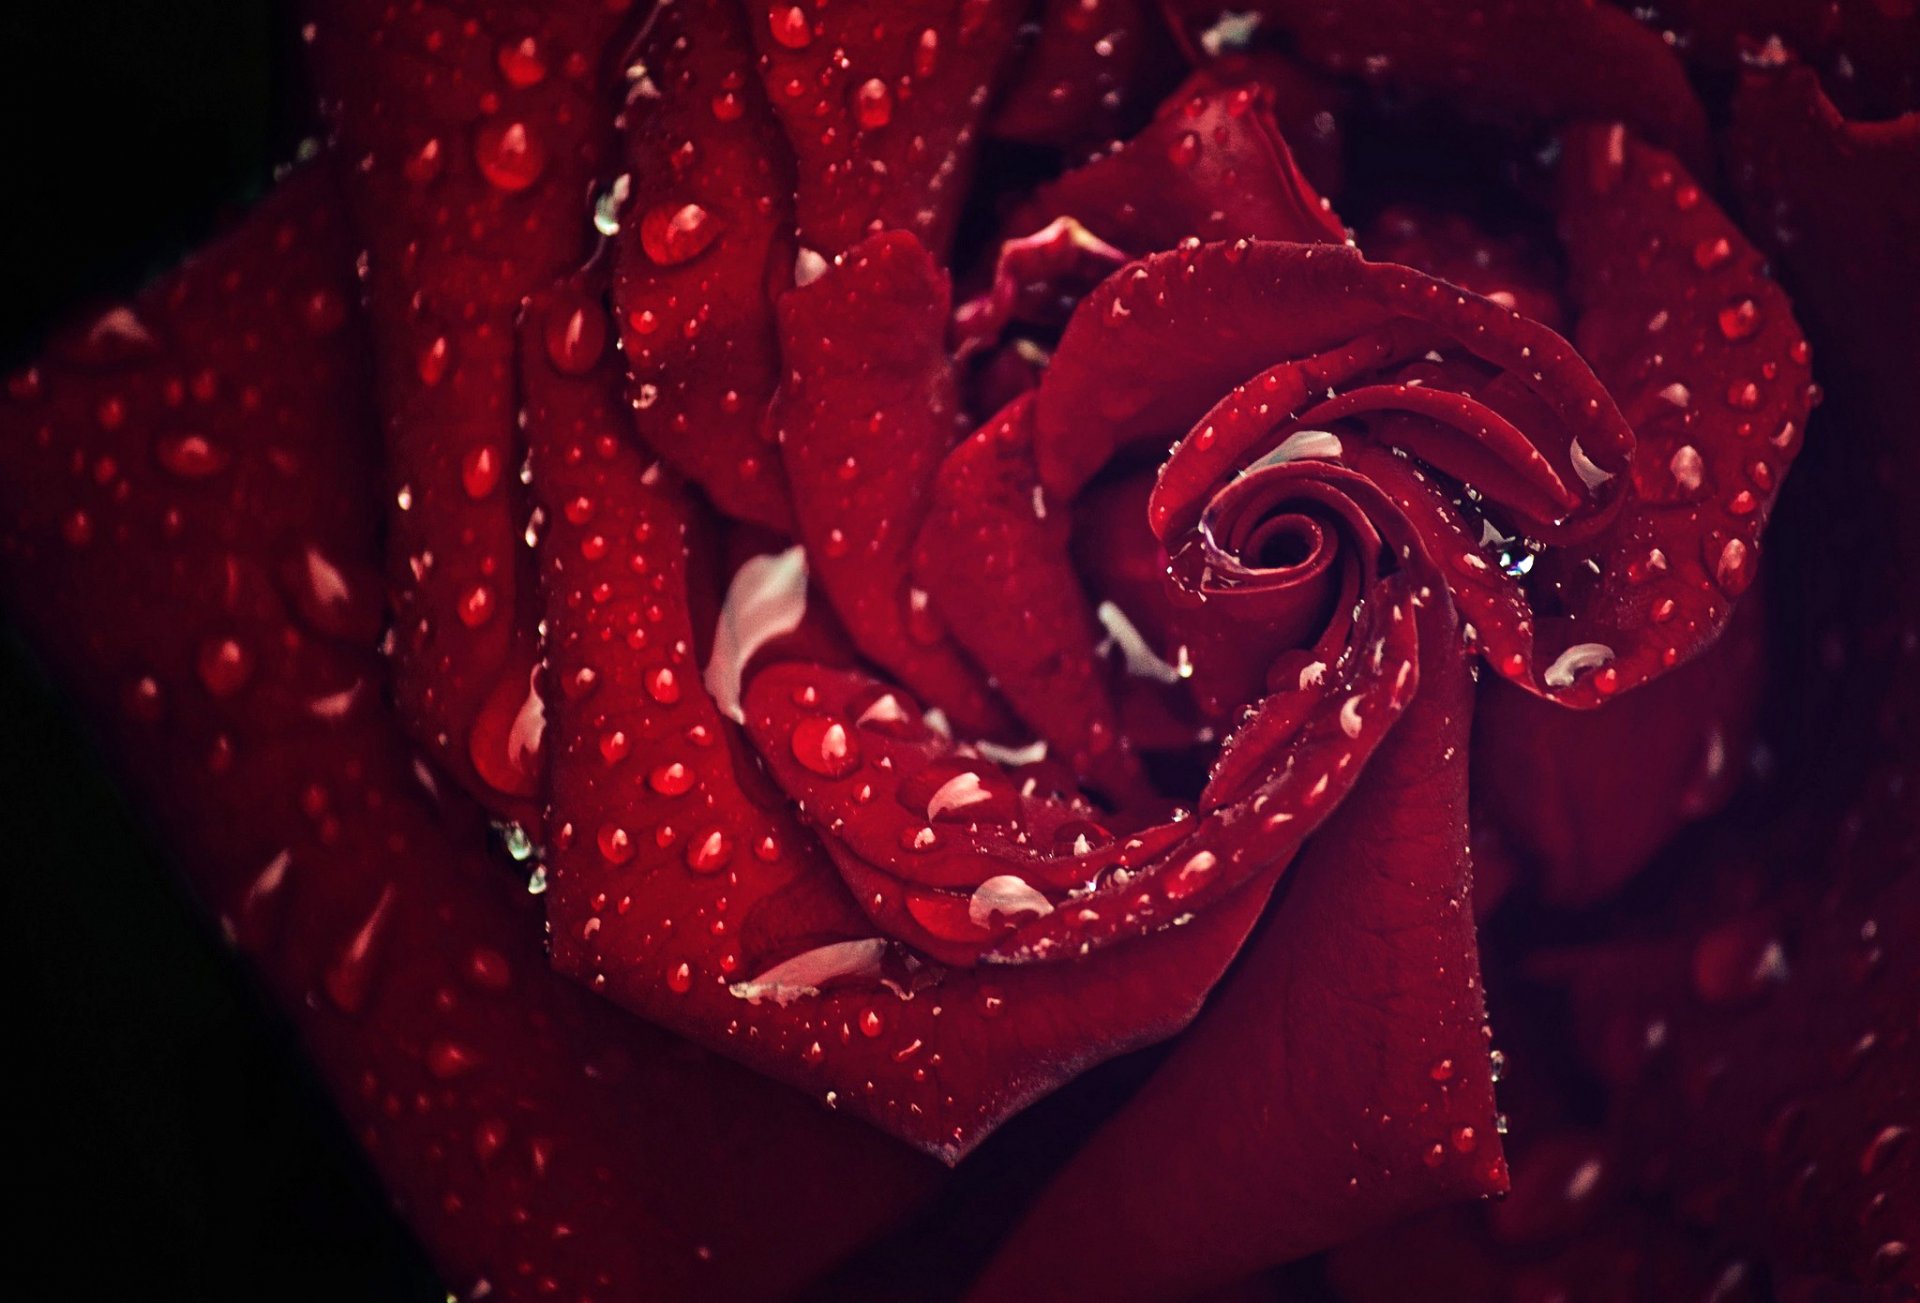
[
  {"x": 476, "y": 606},
  {"x": 790, "y": 26},
  {"x": 673, "y": 233},
  {"x": 709, "y": 852},
  {"x": 431, "y": 365},
  {"x": 616, "y": 847},
  {"x": 480, "y": 472},
  {"x": 225, "y": 666},
  {"x": 509, "y": 154},
  {"x": 449, "y": 1059},
  {"x": 663, "y": 686},
  {"x": 520, "y": 62},
  {"x": 825, "y": 747},
  {"x": 190, "y": 456},
  {"x": 575, "y": 334},
  {"x": 872, "y": 104},
  {"x": 1740, "y": 319},
  {"x": 349, "y": 979},
  {"x": 671, "y": 779}
]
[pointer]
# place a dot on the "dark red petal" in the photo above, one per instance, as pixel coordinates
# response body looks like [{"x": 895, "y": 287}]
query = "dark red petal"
[
  {"x": 1700, "y": 349},
  {"x": 1839, "y": 201},
  {"x": 1527, "y": 61},
  {"x": 1511, "y": 270},
  {"x": 1210, "y": 165},
  {"x": 682, "y": 887},
  {"x": 1091, "y": 67},
  {"x": 465, "y": 150},
  {"x": 1338, "y": 1080},
  {"x": 883, "y": 102},
  {"x": 1867, "y": 51},
  {"x": 1589, "y": 797},
  {"x": 188, "y": 531},
  {"x": 993, "y": 554},
  {"x": 705, "y": 241},
  {"x": 866, "y": 412},
  {"x": 1036, "y": 280}
]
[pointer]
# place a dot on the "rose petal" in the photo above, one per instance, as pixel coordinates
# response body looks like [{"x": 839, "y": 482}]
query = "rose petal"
[
  {"x": 1589, "y": 797},
  {"x": 1091, "y": 66},
  {"x": 993, "y": 553},
  {"x": 703, "y": 245},
  {"x": 680, "y": 882},
  {"x": 1210, "y": 165},
  {"x": 464, "y": 150},
  {"x": 865, "y": 414},
  {"x": 883, "y": 104},
  {"x": 1303, "y": 1107},
  {"x": 216, "y": 612},
  {"x": 1867, "y": 51},
  {"x": 1838, "y": 199},
  {"x": 1529, "y": 61},
  {"x": 1701, "y": 351}
]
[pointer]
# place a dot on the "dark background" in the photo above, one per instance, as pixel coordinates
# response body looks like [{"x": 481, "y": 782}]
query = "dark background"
[{"x": 162, "y": 1138}]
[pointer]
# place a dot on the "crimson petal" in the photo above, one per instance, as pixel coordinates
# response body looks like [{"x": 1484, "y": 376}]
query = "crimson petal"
[
  {"x": 865, "y": 414},
  {"x": 464, "y": 150},
  {"x": 1338, "y": 1079},
  {"x": 201, "y": 568},
  {"x": 705, "y": 242},
  {"x": 1210, "y": 165},
  {"x": 994, "y": 554},
  {"x": 883, "y": 102}
]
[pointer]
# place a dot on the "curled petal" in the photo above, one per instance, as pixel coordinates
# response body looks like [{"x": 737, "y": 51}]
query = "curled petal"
[{"x": 935, "y": 841}]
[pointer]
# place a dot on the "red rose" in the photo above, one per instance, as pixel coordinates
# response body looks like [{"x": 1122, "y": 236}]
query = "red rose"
[{"x": 954, "y": 544}]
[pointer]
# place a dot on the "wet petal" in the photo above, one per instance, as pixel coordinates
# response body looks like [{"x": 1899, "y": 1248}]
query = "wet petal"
[
  {"x": 537, "y": 1140},
  {"x": 883, "y": 105},
  {"x": 865, "y": 414},
  {"x": 1523, "y": 61},
  {"x": 681, "y": 885},
  {"x": 1210, "y": 165},
  {"x": 463, "y": 171},
  {"x": 1303, "y": 1106},
  {"x": 702, "y": 217}
]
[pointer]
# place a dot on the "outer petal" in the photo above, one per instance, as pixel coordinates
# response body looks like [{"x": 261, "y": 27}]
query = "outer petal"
[
  {"x": 1340, "y": 1078},
  {"x": 1590, "y": 797},
  {"x": 1530, "y": 61},
  {"x": 1867, "y": 51},
  {"x": 883, "y": 103},
  {"x": 466, "y": 147},
  {"x": 201, "y": 568},
  {"x": 705, "y": 241},
  {"x": 1090, "y": 70},
  {"x": 1211, "y": 165}
]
